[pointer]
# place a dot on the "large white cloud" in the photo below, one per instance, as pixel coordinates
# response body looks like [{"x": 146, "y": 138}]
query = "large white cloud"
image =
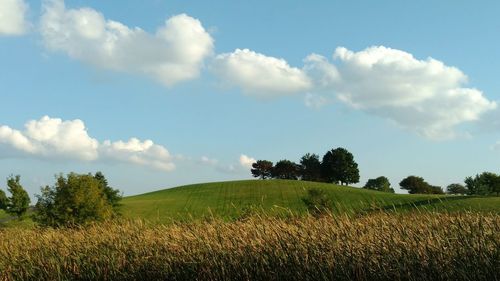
[
  {"x": 13, "y": 17},
  {"x": 259, "y": 75},
  {"x": 422, "y": 95},
  {"x": 53, "y": 138},
  {"x": 175, "y": 53}
]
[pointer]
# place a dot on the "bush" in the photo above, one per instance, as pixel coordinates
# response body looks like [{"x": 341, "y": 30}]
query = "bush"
[
  {"x": 317, "y": 202},
  {"x": 77, "y": 199}
]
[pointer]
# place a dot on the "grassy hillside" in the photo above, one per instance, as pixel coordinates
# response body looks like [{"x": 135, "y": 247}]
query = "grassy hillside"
[{"x": 236, "y": 198}]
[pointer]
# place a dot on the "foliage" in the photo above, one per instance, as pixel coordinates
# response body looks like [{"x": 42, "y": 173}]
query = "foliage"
[
  {"x": 19, "y": 200},
  {"x": 456, "y": 188},
  {"x": 3, "y": 200},
  {"x": 310, "y": 167},
  {"x": 417, "y": 185},
  {"x": 286, "y": 170},
  {"x": 262, "y": 169},
  {"x": 113, "y": 195},
  {"x": 317, "y": 202},
  {"x": 483, "y": 184},
  {"x": 338, "y": 165},
  {"x": 378, "y": 246},
  {"x": 73, "y": 200},
  {"x": 380, "y": 184}
]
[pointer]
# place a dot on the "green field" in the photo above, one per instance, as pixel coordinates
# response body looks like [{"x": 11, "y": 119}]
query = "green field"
[{"x": 236, "y": 198}]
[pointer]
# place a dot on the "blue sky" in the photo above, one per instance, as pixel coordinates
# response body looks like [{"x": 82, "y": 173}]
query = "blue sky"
[{"x": 161, "y": 93}]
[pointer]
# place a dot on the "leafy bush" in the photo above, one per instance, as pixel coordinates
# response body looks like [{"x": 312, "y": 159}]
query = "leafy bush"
[{"x": 317, "y": 202}]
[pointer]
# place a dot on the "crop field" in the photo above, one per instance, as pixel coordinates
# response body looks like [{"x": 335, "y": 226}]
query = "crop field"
[
  {"x": 238, "y": 198},
  {"x": 378, "y": 246}
]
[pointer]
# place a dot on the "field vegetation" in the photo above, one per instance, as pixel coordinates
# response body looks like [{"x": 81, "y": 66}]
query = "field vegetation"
[{"x": 376, "y": 246}]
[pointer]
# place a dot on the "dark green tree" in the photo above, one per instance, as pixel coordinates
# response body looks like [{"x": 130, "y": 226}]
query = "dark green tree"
[
  {"x": 112, "y": 195},
  {"x": 19, "y": 200},
  {"x": 310, "y": 167},
  {"x": 483, "y": 184},
  {"x": 417, "y": 185},
  {"x": 338, "y": 165},
  {"x": 456, "y": 188},
  {"x": 380, "y": 184},
  {"x": 73, "y": 200},
  {"x": 3, "y": 200},
  {"x": 285, "y": 169},
  {"x": 262, "y": 169}
]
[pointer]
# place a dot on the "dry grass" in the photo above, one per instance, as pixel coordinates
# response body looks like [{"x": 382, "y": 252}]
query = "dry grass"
[{"x": 379, "y": 246}]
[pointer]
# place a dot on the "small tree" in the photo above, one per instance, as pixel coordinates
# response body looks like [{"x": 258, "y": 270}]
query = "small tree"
[
  {"x": 262, "y": 169},
  {"x": 338, "y": 165},
  {"x": 3, "y": 200},
  {"x": 456, "y": 188},
  {"x": 73, "y": 200},
  {"x": 417, "y": 185},
  {"x": 380, "y": 184},
  {"x": 285, "y": 169},
  {"x": 19, "y": 201},
  {"x": 310, "y": 167}
]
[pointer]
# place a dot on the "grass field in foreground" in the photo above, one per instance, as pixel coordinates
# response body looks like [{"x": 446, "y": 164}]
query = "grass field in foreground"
[{"x": 236, "y": 198}]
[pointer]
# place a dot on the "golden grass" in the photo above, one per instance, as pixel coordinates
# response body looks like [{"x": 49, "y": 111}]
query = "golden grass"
[{"x": 378, "y": 246}]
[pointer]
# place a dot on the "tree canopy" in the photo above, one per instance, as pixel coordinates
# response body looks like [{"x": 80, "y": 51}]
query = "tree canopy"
[
  {"x": 338, "y": 165},
  {"x": 381, "y": 184},
  {"x": 417, "y": 185},
  {"x": 262, "y": 169},
  {"x": 3, "y": 200},
  {"x": 19, "y": 201},
  {"x": 76, "y": 199},
  {"x": 456, "y": 188},
  {"x": 483, "y": 184},
  {"x": 285, "y": 169},
  {"x": 310, "y": 167}
]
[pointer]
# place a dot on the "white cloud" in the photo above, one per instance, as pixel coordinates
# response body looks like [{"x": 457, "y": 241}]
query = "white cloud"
[
  {"x": 425, "y": 96},
  {"x": 13, "y": 17},
  {"x": 259, "y": 75},
  {"x": 53, "y": 138},
  {"x": 208, "y": 161},
  {"x": 175, "y": 53},
  {"x": 496, "y": 146},
  {"x": 246, "y": 161}
]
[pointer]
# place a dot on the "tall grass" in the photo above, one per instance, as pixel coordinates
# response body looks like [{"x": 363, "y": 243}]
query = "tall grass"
[{"x": 378, "y": 246}]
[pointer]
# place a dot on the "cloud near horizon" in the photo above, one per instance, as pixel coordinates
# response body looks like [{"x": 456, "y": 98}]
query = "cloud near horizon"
[
  {"x": 57, "y": 139},
  {"x": 13, "y": 17},
  {"x": 175, "y": 53}
]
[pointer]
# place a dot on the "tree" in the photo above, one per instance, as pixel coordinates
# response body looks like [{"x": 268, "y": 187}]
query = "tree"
[
  {"x": 19, "y": 201},
  {"x": 483, "y": 184},
  {"x": 285, "y": 169},
  {"x": 262, "y": 169},
  {"x": 417, "y": 185},
  {"x": 456, "y": 188},
  {"x": 380, "y": 184},
  {"x": 338, "y": 165},
  {"x": 112, "y": 195},
  {"x": 3, "y": 200},
  {"x": 74, "y": 200},
  {"x": 310, "y": 167}
]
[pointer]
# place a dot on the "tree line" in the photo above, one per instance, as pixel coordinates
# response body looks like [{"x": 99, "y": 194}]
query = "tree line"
[
  {"x": 74, "y": 199},
  {"x": 338, "y": 166}
]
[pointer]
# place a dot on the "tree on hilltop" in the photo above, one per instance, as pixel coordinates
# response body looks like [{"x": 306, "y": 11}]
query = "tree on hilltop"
[
  {"x": 338, "y": 165},
  {"x": 262, "y": 169}
]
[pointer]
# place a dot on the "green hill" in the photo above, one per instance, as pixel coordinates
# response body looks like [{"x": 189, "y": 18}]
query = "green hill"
[{"x": 234, "y": 199}]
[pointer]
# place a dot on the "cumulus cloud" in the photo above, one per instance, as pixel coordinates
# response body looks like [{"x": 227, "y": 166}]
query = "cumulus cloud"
[
  {"x": 13, "y": 17},
  {"x": 422, "y": 95},
  {"x": 54, "y": 138},
  {"x": 259, "y": 75},
  {"x": 175, "y": 53},
  {"x": 246, "y": 161}
]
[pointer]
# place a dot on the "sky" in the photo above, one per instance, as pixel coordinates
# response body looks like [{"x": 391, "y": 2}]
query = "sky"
[{"x": 157, "y": 94}]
